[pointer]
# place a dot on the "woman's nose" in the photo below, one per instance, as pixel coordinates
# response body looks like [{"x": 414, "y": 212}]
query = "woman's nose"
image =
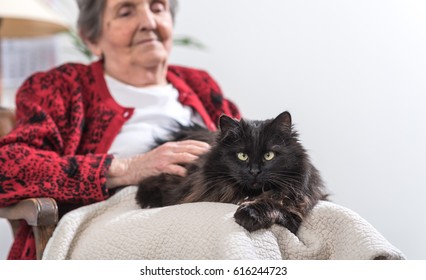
[{"x": 147, "y": 20}]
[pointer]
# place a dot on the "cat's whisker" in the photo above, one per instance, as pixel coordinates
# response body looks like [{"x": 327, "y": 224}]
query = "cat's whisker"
[
  {"x": 284, "y": 183},
  {"x": 296, "y": 180},
  {"x": 284, "y": 178},
  {"x": 286, "y": 174}
]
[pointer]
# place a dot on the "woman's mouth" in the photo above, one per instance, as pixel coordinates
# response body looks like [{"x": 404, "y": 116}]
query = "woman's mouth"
[{"x": 146, "y": 41}]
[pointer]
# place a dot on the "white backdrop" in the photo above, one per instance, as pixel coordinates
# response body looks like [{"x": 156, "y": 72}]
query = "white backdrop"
[{"x": 353, "y": 75}]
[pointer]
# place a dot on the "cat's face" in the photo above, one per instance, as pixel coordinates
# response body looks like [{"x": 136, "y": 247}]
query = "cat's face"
[{"x": 259, "y": 155}]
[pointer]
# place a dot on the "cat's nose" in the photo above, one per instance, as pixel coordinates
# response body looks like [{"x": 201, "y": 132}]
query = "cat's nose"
[{"x": 254, "y": 171}]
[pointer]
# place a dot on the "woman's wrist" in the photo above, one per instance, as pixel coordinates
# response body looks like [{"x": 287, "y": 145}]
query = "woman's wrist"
[{"x": 117, "y": 174}]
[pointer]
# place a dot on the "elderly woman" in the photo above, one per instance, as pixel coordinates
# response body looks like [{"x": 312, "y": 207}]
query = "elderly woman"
[{"x": 84, "y": 130}]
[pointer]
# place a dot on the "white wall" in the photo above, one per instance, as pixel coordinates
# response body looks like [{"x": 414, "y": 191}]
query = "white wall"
[{"x": 353, "y": 75}]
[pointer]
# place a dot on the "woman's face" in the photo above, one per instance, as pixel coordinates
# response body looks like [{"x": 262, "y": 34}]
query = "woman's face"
[{"x": 136, "y": 33}]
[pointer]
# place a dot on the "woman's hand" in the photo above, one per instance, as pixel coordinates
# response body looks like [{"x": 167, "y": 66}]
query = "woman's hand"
[{"x": 163, "y": 159}]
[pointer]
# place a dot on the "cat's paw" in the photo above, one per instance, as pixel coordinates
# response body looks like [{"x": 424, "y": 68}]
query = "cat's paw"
[
  {"x": 149, "y": 198},
  {"x": 253, "y": 216},
  {"x": 149, "y": 204}
]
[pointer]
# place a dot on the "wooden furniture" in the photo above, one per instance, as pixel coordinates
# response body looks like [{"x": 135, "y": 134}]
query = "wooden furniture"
[
  {"x": 7, "y": 121},
  {"x": 40, "y": 213}
]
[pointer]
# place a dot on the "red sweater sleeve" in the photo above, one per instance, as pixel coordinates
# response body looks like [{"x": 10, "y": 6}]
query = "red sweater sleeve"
[
  {"x": 38, "y": 158},
  {"x": 207, "y": 90},
  {"x": 227, "y": 107}
]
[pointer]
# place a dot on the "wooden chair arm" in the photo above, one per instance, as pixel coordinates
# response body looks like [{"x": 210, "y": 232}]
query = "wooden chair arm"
[
  {"x": 35, "y": 211},
  {"x": 40, "y": 213}
]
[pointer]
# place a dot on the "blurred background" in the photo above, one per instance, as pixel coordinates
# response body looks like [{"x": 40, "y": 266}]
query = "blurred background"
[{"x": 352, "y": 74}]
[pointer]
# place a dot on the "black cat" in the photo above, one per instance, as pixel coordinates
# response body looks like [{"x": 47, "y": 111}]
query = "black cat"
[{"x": 259, "y": 165}]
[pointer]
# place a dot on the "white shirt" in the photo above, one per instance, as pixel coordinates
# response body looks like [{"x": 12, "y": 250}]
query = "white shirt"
[{"x": 156, "y": 112}]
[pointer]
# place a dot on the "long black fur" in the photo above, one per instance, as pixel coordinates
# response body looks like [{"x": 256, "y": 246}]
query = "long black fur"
[{"x": 281, "y": 190}]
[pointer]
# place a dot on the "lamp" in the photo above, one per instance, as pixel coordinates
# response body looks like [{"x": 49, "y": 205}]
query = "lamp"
[{"x": 27, "y": 18}]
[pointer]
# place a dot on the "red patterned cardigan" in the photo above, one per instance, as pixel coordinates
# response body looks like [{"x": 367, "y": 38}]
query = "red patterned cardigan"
[{"x": 67, "y": 121}]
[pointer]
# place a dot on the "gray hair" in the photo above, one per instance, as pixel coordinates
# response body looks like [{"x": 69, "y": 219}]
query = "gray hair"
[{"x": 90, "y": 18}]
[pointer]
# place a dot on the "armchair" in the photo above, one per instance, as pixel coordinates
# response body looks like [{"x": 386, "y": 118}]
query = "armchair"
[{"x": 40, "y": 213}]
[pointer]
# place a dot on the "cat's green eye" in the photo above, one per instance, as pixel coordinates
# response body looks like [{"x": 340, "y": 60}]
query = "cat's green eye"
[
  {"x": 242, "y": 156},
  {"x": 269, "y": 155}
]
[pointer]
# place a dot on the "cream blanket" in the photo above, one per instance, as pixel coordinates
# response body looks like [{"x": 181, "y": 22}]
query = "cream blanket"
[{"x": 118, "y": 229}]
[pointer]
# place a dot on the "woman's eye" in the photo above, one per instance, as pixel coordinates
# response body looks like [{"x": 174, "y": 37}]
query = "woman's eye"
[
  {"x": 124, "y": 12},
  {"x": 158, "y": 7},
  {"x": 242, "y": 156},
  {"x": 269, "y": 155}
]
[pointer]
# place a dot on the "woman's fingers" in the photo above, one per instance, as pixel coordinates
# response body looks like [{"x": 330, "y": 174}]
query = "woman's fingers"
[
  {"x": 167, "y": 158},
  {"x": 184, "y": 157},
  {"x": 171, "y": 154},
  {"x": 175, "y": 169},
  {"x": 188, "y": 146},
  {"x": 192, "y": 142}
]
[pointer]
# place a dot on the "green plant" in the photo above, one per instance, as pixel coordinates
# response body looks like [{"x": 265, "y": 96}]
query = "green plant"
[{"x": 78, "y": 43}]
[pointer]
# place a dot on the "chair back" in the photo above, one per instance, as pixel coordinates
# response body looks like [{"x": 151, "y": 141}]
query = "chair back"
[{"x": 7, "y": 121}]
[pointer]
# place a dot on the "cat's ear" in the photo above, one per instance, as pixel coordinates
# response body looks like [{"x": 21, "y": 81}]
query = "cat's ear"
[
  {"x": 229, "y": 128},
  {"x": 227, "y": 123},
  {"x": 283, "y": 120}
]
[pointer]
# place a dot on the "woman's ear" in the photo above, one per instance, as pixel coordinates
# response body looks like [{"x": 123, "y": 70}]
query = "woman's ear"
[{"x": 94, "y": 48}]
